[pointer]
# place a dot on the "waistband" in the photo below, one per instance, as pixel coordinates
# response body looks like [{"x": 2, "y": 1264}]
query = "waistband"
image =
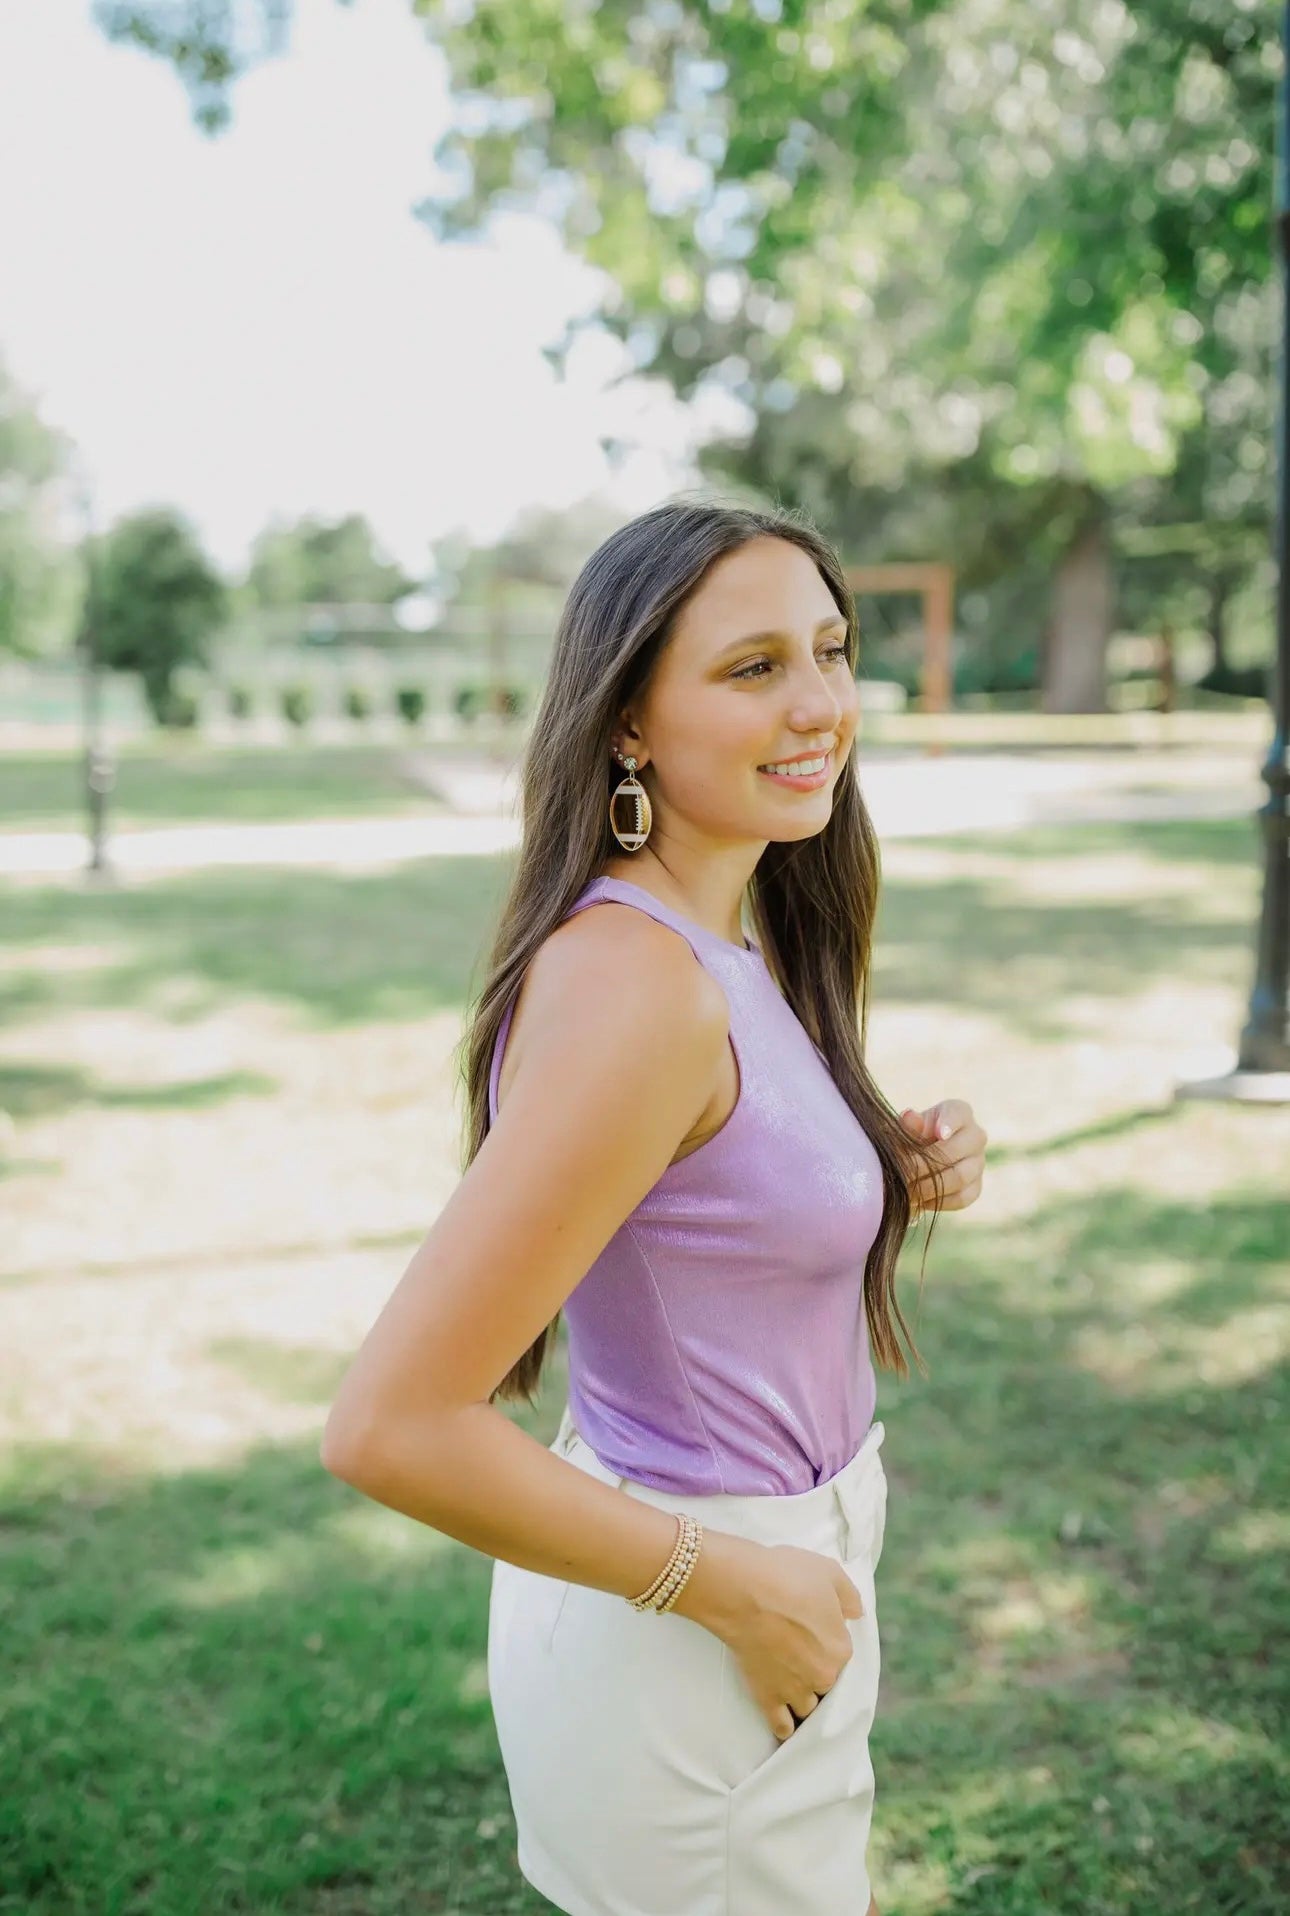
[{"x": 838, "y": 1513}]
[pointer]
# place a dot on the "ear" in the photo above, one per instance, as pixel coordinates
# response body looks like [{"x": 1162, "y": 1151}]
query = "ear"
[{"x": 626, "y": 742}]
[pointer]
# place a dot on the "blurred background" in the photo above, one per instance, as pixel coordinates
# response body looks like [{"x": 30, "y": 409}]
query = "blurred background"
[{"x": 334, "y": 338}]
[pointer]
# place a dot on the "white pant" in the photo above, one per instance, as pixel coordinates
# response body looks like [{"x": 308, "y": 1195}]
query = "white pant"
[{"x": 644, "y": 1779}]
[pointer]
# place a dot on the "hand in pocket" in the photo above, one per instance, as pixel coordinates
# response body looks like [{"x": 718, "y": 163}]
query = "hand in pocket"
[{"x": 790, "y": 1640}]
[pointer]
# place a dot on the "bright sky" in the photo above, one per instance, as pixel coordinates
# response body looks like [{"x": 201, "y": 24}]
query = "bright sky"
[{"x": 257, "y": 324}]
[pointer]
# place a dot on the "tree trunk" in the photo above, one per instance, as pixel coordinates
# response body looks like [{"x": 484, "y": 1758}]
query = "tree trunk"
[
  {"x": 1080, "y": 624},
  {"x": 1220, "y": 585}
]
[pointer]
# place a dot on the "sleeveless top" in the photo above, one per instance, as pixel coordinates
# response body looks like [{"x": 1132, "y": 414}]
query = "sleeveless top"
[{"x": 719, "y": 1343}]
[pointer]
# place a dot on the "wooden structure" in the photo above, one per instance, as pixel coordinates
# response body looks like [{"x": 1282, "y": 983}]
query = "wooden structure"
[{"x": 936, "y": 584}]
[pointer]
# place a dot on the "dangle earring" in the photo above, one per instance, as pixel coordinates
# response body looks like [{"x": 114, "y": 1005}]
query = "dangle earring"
[{"x": 631, "y": 788}]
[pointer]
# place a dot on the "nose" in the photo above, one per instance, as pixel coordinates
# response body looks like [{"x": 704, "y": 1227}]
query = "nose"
[{"x": 819, "y": 710}]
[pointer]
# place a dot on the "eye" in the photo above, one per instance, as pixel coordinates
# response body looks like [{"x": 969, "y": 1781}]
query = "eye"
[{"x": 748, "y": 671}]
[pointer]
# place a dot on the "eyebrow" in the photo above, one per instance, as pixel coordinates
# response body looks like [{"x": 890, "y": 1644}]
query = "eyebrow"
[{"x": 766, "y": 638}]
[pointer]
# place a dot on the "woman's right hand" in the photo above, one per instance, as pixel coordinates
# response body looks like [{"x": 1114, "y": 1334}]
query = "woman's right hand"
[{"x": 788, "y": 1631}]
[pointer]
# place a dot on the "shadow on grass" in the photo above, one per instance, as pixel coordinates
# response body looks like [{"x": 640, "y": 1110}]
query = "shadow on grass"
[
  {"x": 42, "y": 1090},
  {"x": 292, "y": 1373},
  {"x": 980, "y": 945},
  {"x": 178, "y": 783},
  {"x": 1118, "y": 1124},
  {"x": 248, "y": 1690},
  {"x": 341, "y": 948},
  {"x": 338, "y": 948}
]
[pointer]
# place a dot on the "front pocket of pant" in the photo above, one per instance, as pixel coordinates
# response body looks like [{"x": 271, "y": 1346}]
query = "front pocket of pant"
[
  {"x": 775, "y": 1750},
  {"x": 843, "y": 1715}
]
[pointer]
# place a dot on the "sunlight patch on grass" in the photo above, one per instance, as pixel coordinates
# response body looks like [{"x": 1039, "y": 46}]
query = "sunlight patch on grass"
[
  {"x": 1254, "y": 1533},
  {"x": 916, "y": 1886},
  {"x": 1175, "y": 1735},
  {"x": 1174, "y": 1502},
  {"x": 1156, "y": 1360},
  {"x": 360, "y": 1138},
  {"x": 1188, "y": 888},
  {"x": 379, "y": 1535},
  {"x": 61, "y": 959},
  {"x": 246, "y": 1572},
  {"x": 1151, "y": 1280},
  {"x": 472, "y": 1687},
  {"x": 1097, "y": 875},
  {"x": 1039, "y": 1603}
]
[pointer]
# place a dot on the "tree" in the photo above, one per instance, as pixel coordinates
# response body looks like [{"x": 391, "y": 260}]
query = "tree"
[
  {"x": 981, "y": 251},
  {"x": 158, "y": 602},
  {"x": 320, "y": 562},
  {"x": 38, "y": 576},
  {"x": 538, "y": 557}
]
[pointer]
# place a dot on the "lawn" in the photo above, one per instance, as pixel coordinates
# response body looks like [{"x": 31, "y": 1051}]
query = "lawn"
[
  {"x": 183, "y": 781},
  {"x": 161, "y": 781},
  {"x": 234, "y": 1688}
]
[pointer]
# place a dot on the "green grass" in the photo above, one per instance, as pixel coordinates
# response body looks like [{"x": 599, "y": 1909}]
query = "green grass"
[
  {"x": 180, "y": 780},
  {"x": 1000, "y": 724},
  {"x": 234, "y": 1688},
  {"x": 185, "y": 781}
]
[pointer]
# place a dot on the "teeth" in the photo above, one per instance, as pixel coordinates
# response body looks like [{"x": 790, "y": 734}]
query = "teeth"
[{"x": 798, "y": 767}]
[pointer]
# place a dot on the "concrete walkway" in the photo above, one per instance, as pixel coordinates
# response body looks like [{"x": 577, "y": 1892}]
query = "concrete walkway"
[{"x": 908, "y": 797}]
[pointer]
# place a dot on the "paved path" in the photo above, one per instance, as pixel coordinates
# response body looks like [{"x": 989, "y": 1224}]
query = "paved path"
[{"x": 914, "y": 797}]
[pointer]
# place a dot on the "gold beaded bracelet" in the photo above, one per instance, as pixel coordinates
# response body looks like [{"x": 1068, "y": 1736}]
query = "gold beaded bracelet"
[
  {"x": 689, "y": 1557},
  {"x": 646, "y": 1598},
  {"x": 675, "y": 1574}
]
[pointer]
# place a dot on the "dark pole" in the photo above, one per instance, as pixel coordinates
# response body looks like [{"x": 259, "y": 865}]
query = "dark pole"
[
  {"x": 1261, "y": 1073},
  {"x": 1265, "y": 1041},
  {"x": 98, "y": 762}
]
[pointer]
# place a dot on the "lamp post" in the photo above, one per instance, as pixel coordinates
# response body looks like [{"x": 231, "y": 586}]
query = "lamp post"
[
  {"x": 1262, "y": 1072},
  {"x": 99, "y": 772}
]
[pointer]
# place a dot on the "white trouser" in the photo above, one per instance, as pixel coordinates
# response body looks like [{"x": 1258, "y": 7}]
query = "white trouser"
[{"x": 644, "y": 1779}]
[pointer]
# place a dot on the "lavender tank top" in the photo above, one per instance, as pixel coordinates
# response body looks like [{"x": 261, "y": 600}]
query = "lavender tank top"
[{"x": 718, "y": 1343}]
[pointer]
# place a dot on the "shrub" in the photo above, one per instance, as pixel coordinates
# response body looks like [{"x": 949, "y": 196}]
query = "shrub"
[
  {"x": 178, "y": 711},
  {"x": 979, "y": 671},
  {"x": 357, "y": 702},
  {"x": 241, "y": 702},
  {"x": 472, "y": 699},
  {"x": 1238, "y": 681},
  {"x": 297, "y": 704},
  {"x": 410, "y": 702}
]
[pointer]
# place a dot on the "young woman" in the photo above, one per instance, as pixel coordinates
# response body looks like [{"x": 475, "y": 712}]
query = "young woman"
[{"x": 674, "y": 1138}]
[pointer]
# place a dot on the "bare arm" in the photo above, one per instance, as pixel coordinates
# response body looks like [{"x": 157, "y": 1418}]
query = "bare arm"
[{"x": 608, "y": 1083}]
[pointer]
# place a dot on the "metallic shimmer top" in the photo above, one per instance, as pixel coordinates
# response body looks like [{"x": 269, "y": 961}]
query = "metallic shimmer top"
[{"x": 719, "y": 1343}]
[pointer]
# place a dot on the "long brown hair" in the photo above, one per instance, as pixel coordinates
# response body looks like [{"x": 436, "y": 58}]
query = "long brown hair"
[{"x": 813, "y": 901}]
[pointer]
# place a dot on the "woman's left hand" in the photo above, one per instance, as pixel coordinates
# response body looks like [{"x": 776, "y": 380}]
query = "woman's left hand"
[{"x": 960, "y": 1146}]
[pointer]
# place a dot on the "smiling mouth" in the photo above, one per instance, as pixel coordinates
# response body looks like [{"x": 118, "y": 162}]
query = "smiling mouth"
[{"x": 820, "y": 765}]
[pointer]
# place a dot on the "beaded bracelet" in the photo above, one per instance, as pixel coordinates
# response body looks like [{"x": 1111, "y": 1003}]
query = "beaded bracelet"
[{"x": 675, "y": 1574}]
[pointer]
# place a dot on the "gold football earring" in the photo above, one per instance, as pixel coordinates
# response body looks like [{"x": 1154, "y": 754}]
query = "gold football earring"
[{"x": 643, "y": 817}]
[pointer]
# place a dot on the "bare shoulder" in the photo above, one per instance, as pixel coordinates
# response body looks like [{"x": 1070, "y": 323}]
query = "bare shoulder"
[
  {"x": 608, "y": 965},
  {"x": 623, "y": 1030}
]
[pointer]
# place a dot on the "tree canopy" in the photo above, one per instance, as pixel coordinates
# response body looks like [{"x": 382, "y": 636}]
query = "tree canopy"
[
  {"x": 320, "y": 562},
  {"x": 39, "y": 577},
  {"x": 966, "y": 278},
  {"x": 156, "y": 602}
]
